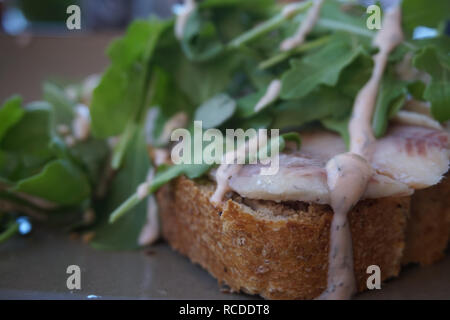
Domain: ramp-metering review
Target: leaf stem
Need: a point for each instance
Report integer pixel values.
(267, 26)
(12, 230)
(121, 147)
(130, 203)
(280, 57)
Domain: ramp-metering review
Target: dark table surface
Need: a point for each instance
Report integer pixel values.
(35, 267)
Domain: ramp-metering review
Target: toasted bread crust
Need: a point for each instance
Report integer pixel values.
(281, 252)
(428, 231)
(278, 256)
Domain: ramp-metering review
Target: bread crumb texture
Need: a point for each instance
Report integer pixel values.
(280, 250)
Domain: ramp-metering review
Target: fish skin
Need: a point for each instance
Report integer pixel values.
(407, 158)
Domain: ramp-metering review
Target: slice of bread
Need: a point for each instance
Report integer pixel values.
(428, 231)
(280, 250)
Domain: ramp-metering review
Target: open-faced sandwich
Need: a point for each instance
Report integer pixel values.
(338, 114)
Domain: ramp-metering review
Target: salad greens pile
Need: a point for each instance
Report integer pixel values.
(223, 65)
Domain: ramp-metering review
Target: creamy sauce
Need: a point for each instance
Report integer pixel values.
(223, 175)
(160, 156)
(361, 135)
(418, 119)
(183, 17)
(81, 125)
(272, 94)
(305, 28)
(226, 170)
(151, 230)
(179, 120)
(418, 107)
(142, 190)
(348, 174)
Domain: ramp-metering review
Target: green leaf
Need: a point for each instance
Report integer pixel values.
(59, 182)
(197, 81)
(339, 125)
(356, 75)
(438, 90)
(92, 155)
(321, 68)
(64, 109)
(423, 13)
(124, 234)
(259, 121)
(121, 94)
(9, 164)
(31, 136)
(216, 111)
(246, 105)
(200, 40)
(417, 89)
(334, 18)
(10, 114)
(293, 136)
(390, 99)
(322, 103)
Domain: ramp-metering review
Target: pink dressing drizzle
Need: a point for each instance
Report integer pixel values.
(349, 173)
(305, 28)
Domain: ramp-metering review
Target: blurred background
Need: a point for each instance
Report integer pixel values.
(49, 16)
(35, 44)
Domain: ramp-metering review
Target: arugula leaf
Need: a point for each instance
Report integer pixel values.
(60, 182)
(441, 44)
(124, 235)
(293, 136)
(121, 93)
(10, 113)
(260, 121)
(318, 68)
(356, 75)
(438, 90)
(63, 107)
(92, 155)
(198, 81)
(35, 161)
(31, 136)
(423, 13)
(391, 97)
(166, 96)
(216, 111)
(332, 17)
(200, 40)
(9, 164)
(322, 103)
(246, 105)
(417, 89)
(339, 125)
